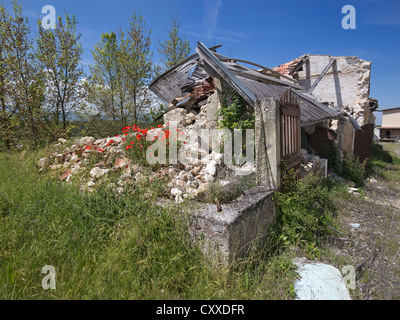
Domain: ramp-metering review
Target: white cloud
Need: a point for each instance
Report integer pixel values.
(208, 30)
(210, 18)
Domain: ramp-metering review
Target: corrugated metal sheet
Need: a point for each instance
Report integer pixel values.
(173, 83)
(311, 110)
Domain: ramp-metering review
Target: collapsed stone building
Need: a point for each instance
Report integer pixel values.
(332, 93)
(309, 114)
(342, 82)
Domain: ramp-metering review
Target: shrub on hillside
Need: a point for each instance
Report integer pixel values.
(305, 211)
(354, 170)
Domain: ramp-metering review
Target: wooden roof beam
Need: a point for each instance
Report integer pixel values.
(193, 56)
(300, 64)
(316, 82)
(209, 58)
(264, 69)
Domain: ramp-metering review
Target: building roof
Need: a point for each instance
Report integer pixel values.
(311, 109)
(251, 84)
(397, 108)
(389, 128)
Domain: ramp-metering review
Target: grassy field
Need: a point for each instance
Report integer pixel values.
(127, 247)
(106, 247)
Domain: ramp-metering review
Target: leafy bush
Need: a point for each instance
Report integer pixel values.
(234, 113)
(305, 211)
(354, 170)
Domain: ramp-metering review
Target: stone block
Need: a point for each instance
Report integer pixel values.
(242, 223)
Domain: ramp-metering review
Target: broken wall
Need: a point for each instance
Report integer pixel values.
(346, 84)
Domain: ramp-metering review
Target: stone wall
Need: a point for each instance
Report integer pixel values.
(347, 83)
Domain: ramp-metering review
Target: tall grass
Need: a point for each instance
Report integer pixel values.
(385, 161)
(107, 247)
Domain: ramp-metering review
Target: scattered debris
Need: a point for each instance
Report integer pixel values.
(340, 179)
(312, 164)
(353, 190)
(319, 281)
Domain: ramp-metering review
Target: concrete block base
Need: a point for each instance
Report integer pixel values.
(242, 223)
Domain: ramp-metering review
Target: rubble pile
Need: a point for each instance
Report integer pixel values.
(88, 160)
(92, 161)
(312, 164)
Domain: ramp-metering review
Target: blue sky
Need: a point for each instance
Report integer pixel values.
(267, 32)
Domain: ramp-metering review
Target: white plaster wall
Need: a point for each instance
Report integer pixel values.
(346, 84)
(391, 118)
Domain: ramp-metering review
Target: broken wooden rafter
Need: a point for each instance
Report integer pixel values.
(224, 73)
(276, 75)
(316, 82)
(257, 76)
(182, 63)
(300, 64)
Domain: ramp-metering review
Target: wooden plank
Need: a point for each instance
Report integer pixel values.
(282, 137)
(290, 136)
(193, 56)
(254, 75)
(290, 132)
(291, 111)
(287, 135)
(292, 163)
(331, 61)
(300, 64)
(264, 69)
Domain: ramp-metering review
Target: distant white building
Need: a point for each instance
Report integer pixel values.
(390, 129)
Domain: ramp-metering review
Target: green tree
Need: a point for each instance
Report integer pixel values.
(138, 66)
(22, 87)
(59, 53)
(122, 69)
(5, 112)
(175, 49)
(107, 89)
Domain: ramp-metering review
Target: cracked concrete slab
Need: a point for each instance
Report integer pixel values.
(319, 281)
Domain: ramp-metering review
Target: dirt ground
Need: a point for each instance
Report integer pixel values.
(370, 237)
